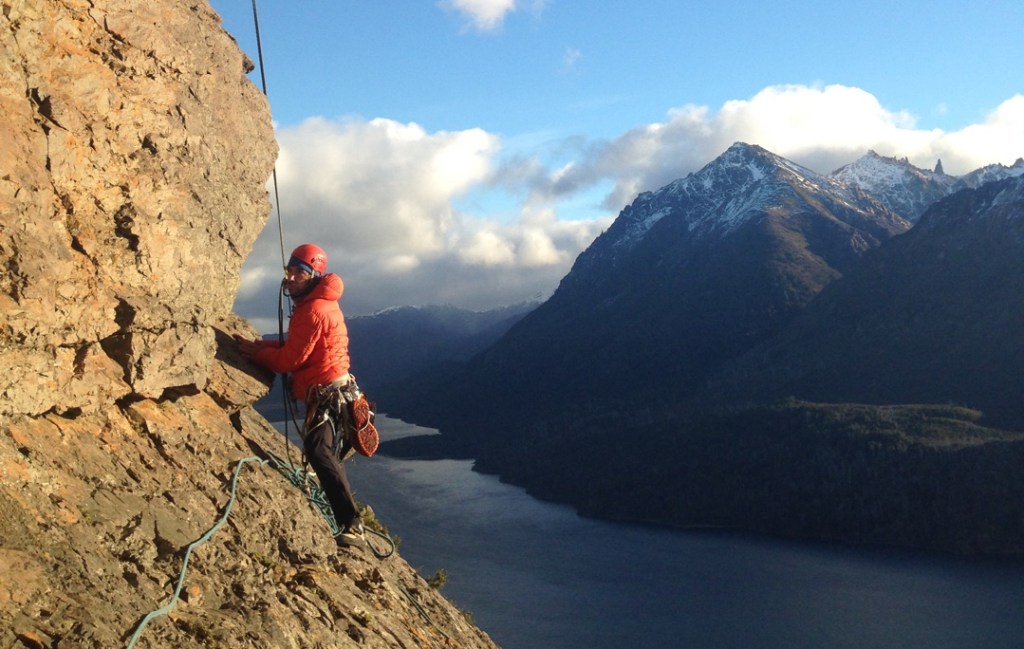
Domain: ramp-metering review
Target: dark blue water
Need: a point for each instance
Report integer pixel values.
(536, 576)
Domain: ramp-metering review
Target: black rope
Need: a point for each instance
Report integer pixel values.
(263, 79)
(289, 407)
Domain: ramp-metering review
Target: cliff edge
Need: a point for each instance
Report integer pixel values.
(134, 153)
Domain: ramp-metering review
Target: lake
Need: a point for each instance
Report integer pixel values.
(534, 575)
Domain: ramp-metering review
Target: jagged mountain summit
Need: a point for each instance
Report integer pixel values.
(904, 188)
(991, 173)
(745, 190)
(908, 190)
(736, 187)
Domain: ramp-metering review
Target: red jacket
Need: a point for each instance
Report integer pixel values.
(316, 348)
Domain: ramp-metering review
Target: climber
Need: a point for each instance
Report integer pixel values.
(315, 352)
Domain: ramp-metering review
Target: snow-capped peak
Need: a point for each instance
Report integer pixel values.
(721, 195)
(875, 169)
(990, 173)
(904, 188)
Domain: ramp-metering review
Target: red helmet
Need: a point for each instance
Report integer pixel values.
(309, 257)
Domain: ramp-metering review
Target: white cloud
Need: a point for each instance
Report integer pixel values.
(255, 281)
(485, 15)
(538, 239)
(381, 196)
(570, 58)
(822, 128)
(1000, 138)
(379, 186)
(538, 249)
(488, 248)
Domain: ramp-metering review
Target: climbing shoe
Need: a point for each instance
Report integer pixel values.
(352, 537)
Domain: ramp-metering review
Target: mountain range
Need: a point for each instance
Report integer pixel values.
(756, 285)
(688, 278)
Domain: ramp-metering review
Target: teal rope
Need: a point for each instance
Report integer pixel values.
(297, 476)
(316, 496)
(423, 612)
(380, 554)
(203, 539)
(314, 493)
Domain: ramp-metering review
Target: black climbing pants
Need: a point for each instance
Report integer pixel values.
(331, 473)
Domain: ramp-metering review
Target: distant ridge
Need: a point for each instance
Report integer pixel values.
(396, 343)
(401, 342)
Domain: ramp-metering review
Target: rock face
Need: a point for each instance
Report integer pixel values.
(134, 153)
(132, 172)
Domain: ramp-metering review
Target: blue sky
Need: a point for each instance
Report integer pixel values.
(465, 151)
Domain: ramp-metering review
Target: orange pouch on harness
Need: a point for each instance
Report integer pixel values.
(363, 434)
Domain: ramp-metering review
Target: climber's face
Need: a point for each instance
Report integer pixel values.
(297, 280)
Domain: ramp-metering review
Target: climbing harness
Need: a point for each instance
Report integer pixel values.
(188, 553)
(344, 408)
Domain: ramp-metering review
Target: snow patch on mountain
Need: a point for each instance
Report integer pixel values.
(641, 227)
(991, 173)
(746, 180)
(1013, 193)
(876, 171)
